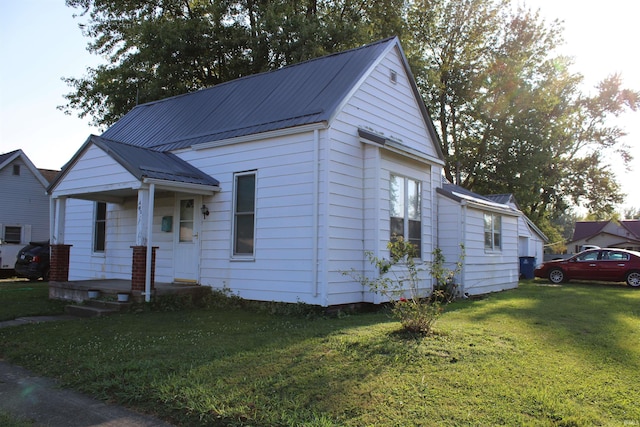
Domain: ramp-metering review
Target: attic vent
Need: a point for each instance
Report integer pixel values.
(393, 77)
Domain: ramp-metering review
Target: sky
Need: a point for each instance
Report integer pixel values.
(40, 43)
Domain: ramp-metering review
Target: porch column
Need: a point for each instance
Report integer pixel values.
(143, 252)
(60, 253)
(59, 263)
(139, 270)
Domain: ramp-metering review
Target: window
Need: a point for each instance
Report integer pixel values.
(16, 169)
(492, 231)
(100, 227)
(12, 234)
(244, 213)
(405, 201)
(186, 220)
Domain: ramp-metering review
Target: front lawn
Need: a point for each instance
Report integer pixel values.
(537, 355)
(20, 297)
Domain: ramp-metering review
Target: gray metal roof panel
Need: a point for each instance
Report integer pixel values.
(304, 93)
(142, 162)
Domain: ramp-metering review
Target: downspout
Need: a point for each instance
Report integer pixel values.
(52, 207)
(316, 206)
(147, 278)
(325, 237)
(464, 236)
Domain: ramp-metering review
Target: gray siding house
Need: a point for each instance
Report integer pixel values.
(24, 205)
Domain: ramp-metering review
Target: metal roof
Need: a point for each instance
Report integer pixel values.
(143, 163)
(304, 93)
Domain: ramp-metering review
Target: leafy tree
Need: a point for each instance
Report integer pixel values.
(512, 117)
(160, 48)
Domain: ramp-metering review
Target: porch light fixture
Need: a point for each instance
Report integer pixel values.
(205, 211)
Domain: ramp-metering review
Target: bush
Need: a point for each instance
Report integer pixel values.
(416, 307)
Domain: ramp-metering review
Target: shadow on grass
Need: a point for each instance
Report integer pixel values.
(599, 320)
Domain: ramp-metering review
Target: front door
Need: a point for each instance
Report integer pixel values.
(186, 260)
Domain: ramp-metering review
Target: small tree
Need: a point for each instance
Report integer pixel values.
(416, 307)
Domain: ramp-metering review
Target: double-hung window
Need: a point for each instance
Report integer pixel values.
(244, 212)
(492, 231)
(100, 227)
(405, 200)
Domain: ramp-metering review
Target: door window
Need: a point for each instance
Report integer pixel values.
(186, 220)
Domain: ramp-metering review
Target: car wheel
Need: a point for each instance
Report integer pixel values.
(45, 275)
(556, 276)
(633, 279)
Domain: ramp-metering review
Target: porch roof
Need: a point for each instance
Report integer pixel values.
(146, 166)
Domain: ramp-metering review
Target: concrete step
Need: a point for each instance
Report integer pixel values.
(88, 311)
(111, 305)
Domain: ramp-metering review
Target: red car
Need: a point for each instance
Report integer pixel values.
(607, 264)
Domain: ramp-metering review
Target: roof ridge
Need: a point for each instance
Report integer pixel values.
(251, 76)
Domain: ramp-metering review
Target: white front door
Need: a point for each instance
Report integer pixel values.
(186, 260)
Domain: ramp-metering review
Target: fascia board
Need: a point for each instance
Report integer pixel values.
(183, 186)
(256, 137)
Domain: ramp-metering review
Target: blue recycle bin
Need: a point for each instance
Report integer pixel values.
(527, 266)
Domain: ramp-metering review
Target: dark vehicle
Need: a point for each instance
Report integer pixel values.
(607, 264)
(33, 261)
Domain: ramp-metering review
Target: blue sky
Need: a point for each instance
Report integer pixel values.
(40, 43)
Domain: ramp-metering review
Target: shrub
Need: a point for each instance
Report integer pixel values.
(416, 307)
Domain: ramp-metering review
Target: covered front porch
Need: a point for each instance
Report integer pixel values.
(112, 209)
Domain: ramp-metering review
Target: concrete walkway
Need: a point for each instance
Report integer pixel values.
(42, 402)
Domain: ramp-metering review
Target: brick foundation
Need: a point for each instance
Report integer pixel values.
(138, 268)
(59, 263)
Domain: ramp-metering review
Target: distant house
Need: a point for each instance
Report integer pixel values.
(606, 234)
(495, 235)
(24, 205)
(270, 186)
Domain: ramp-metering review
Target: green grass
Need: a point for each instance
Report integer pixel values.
(24, 298)
(539, 355)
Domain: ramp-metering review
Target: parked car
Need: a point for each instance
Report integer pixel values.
(606, 264)
(33, 261)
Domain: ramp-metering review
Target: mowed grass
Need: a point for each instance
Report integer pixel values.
(24, 298)
(539, 355)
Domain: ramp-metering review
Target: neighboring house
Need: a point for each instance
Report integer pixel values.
(495, 235)
(24, 205)
(605, 234)
(271, 186)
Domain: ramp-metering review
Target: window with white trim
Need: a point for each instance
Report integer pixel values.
(492, 231)
(244, 212)
(405, 200)
(99, 226)
(12, 234)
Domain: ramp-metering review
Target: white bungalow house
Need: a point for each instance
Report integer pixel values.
(270, 185)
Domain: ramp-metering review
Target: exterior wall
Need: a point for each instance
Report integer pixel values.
(24, 202)
(484, 271)
(359, 176)
(93, 170)
(281, 269)
(530, 243)
(25, 205)
(490, 271)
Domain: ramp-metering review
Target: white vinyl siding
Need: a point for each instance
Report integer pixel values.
(93, 170)
(484, 271)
